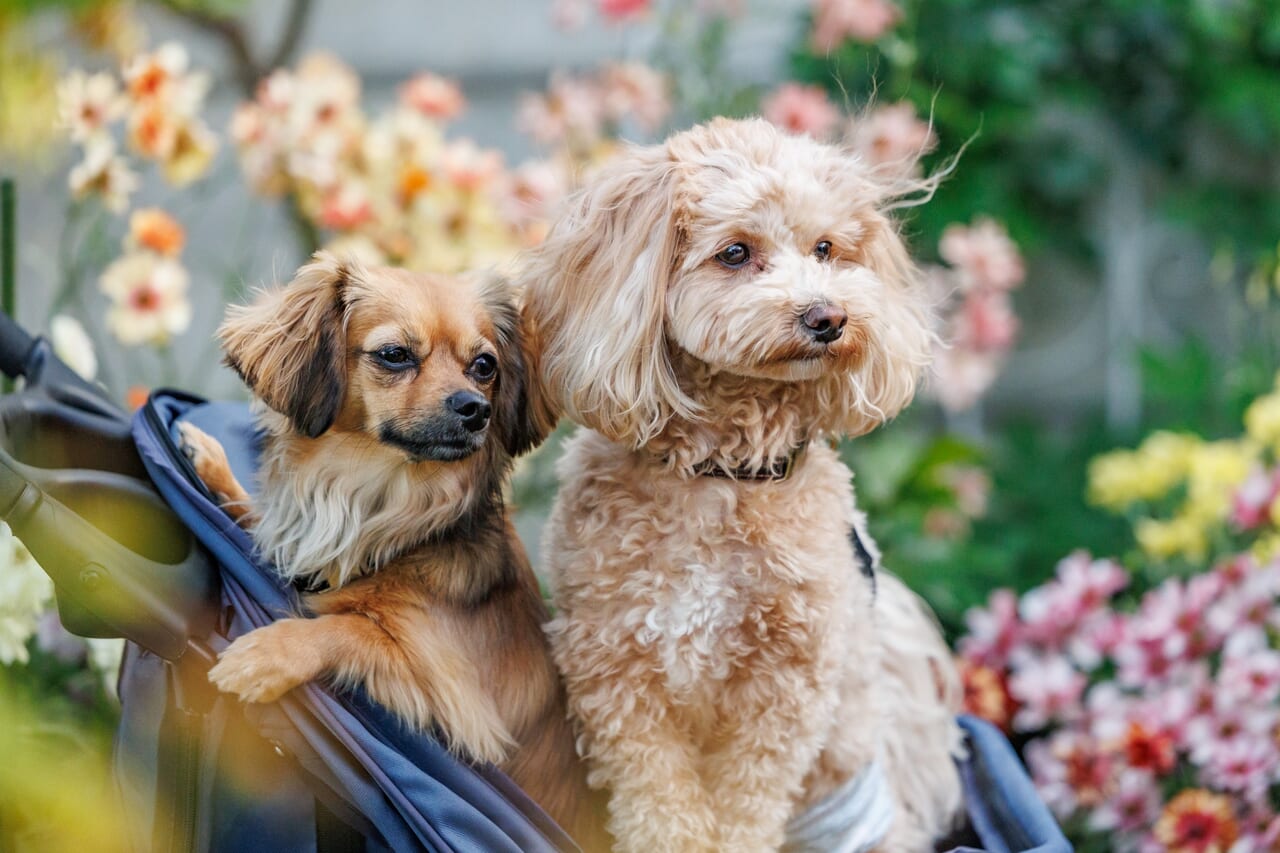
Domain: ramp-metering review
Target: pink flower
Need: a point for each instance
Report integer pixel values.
(633, 90)
(1051, 613)
(571, 110)
(1246, 765)
(892, 134)
(346, 207)
(1070, 771)
(985, 321)
(834, 21)
(994, 630)
(960, 376)
(1251, 503)
(1251, 674)
(801, 109)
(1049, 689)
(1208, 735)
(1132, 806)
(984, 254)
(621, 10)
(433, 96)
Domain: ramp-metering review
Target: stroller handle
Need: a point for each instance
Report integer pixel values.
(74, 490)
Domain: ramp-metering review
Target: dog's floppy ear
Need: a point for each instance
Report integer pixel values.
(521, 422)
(595, 294)
(289, 346)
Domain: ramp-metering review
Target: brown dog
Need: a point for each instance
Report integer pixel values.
(393, 404)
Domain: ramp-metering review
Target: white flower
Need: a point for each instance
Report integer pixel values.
(148, 298)
(104, 173)
(72, 344)
(88, 103)
(25, 591)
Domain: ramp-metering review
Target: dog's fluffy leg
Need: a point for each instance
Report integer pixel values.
(268, 662)
(210, 461)
(921, 695)
(657, 800)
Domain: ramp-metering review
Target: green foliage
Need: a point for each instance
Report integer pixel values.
(1191, 90)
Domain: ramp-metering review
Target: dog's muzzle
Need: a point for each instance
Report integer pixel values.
(453, 434)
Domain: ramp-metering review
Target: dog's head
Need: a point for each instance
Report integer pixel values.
(429, 366)
(751, 254)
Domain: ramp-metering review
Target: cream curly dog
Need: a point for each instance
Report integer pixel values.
(713, 310)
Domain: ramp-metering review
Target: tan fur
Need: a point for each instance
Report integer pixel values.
(426, 597)
(725, 658)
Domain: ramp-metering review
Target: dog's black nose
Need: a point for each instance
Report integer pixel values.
(825, 322)
(472, 408)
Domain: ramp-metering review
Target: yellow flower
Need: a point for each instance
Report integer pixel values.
(1180, 536)
(1266, 548)
(1262, 420)
(1122, 477)
(1216, 470)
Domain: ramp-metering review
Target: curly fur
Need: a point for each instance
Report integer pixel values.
(726, 661)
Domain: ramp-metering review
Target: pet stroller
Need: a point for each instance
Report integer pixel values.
(137, 549)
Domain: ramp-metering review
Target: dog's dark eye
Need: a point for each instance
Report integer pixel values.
(822, 251)
(396, 358)
(484, 367)
(734, 255)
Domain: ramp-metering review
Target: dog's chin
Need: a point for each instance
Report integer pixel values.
(432, 445)
(790, 370)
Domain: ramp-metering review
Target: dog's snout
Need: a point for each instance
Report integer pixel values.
(825, 323)
(472, 408)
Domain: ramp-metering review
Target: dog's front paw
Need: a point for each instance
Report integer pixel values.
(207, 457)
(264, 664)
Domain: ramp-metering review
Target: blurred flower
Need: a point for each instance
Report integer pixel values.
(151, 228)
(570, 111)
(111, 27)
(72, 345)
(984, 254)
(569, 15)
(105, 174)
(892, 135)
(1131, 807)
(801, 109)
(28, 101)
(1180, 536)
(1256, 500)
(961, 376)
(191, 155)
(1046, 690)
(633, 90)
(156, 75)
(971, 486)
(834, 21)
(1262, 420)
(993, 631)
(148, 298)
(1197, 821)
(1071, 771)
(136, 397)
(621, 10)
(25, 592)
(986, 694)
(1122, 477)
(89, 103)
(433, 96)
(985, 322)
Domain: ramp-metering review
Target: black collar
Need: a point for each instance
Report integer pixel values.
(777, 469)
